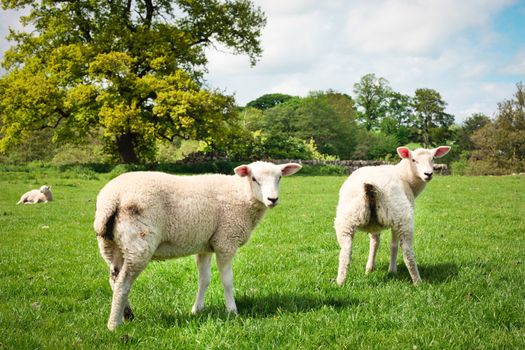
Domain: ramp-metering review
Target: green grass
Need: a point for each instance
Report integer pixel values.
(469, 242)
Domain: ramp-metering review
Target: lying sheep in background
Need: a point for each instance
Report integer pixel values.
(151, 215)
(379, 197)
(43, 195)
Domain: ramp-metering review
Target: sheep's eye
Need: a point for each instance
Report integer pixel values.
(415, 161)
(279, 179)
(254, 180)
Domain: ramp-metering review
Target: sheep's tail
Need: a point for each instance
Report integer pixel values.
(371, 200)
(105, 217)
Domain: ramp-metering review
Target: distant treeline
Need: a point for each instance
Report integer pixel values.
(326, 126)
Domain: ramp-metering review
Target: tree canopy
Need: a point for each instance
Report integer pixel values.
(328, 118)
(132, 69)
(268, 101)
(372, 97)
(499, 146)
(471, 125)
(431, 120)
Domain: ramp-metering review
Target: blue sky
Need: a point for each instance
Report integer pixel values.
(471, 51)
(510, 24)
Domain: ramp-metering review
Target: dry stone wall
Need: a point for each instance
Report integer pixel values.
(353, 165)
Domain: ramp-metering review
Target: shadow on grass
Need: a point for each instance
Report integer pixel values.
(261, 307)
(433, 274)
(273, 304)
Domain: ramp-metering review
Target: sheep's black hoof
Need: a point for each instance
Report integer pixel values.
(128, 314)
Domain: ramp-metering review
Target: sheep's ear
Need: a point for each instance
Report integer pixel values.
(403, 152)
(290, 168)
(440, 151)
(242, 170)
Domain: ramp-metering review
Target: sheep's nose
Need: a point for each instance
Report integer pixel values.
(428, 175)
(273, 200)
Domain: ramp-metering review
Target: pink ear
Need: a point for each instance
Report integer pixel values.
(290, 168)
(403, 152)
(242, 170)
(441, 151)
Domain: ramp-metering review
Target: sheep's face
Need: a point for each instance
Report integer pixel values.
(422, 160)
(45, 189)
(265, 178)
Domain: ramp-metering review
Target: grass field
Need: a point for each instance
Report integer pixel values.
(469, 242)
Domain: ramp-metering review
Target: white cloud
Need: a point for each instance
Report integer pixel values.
(474, 70)
(275, 8)
(413, 27)
(517, 66)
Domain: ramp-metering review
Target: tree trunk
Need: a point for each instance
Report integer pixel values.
(126, 148)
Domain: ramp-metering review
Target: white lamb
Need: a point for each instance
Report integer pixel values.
(378, 197)
(42, 195)
(151, 215)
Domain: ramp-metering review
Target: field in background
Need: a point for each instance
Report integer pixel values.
(469, 243)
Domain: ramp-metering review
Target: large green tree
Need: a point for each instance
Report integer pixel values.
(430, 117)
(329, 119)
(372, 99)
(398, 119)
(499, 146)
(326, 117)
(470, 125)
(131, 68)
(320, 125)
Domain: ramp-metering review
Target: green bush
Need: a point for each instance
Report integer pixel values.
(124, 168)
(38, 147)
(322, 170)
(79, 154)
(460, 166)
(215, 167)
(177, 150)
(485, 167)
(78, 171)
(375, 145)
(262, 145)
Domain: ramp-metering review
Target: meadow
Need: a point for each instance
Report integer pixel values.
(469, 244)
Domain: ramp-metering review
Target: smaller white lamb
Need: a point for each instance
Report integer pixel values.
(142, 216)
(42, 195)
(379, 197)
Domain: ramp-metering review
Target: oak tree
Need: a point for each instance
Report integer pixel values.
(129, 69)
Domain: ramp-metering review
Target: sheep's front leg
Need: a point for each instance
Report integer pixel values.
(374, 245)
(345, 254)
(394, 246)
(204, 266)
(224, 263)
(409, 256)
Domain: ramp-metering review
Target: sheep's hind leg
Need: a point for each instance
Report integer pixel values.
(113, 258)
(224, 263)
(345, 254)
(394, 246)
(374, 245)
(409, 256)
(204, 266)
(122, 285)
